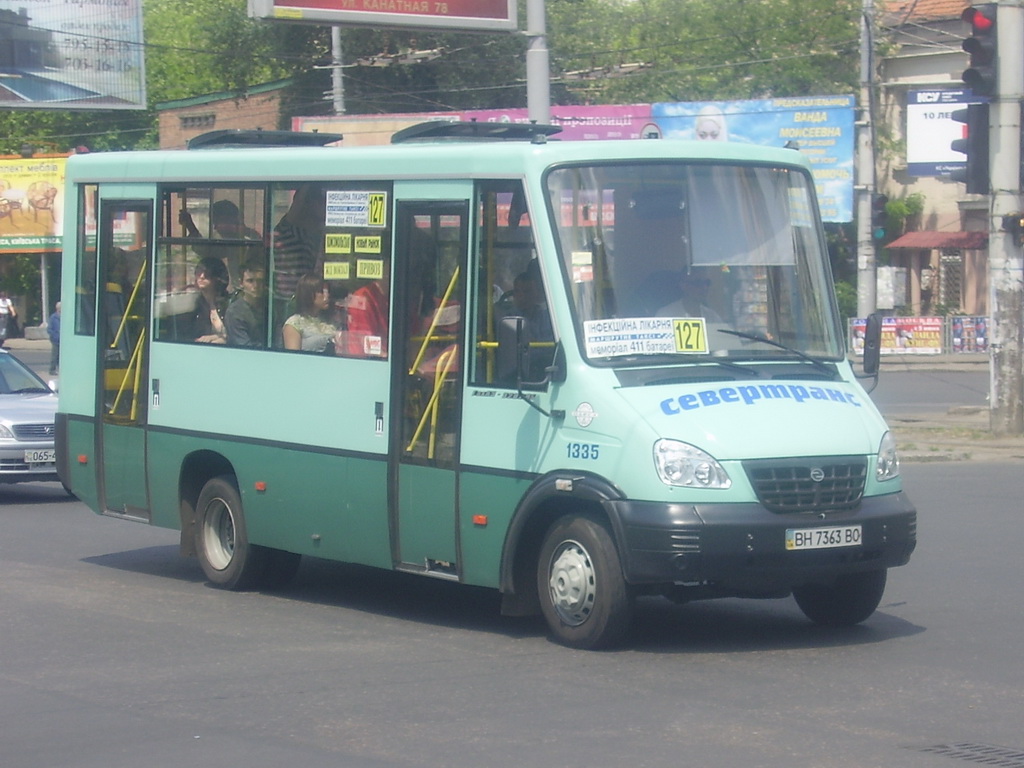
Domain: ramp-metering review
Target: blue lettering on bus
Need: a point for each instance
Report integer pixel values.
(751, 394)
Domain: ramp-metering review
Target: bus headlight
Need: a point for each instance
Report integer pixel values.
(686, 465)
(887, 463)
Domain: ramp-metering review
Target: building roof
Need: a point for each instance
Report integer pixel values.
(970, 241)
(208, 98)
(925, 10)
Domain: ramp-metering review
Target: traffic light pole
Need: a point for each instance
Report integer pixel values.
(1005, 261)
(865, 187)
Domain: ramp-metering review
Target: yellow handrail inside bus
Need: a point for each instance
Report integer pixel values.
(433, 322)
(444, 363)
(128, 307)
(134, 371)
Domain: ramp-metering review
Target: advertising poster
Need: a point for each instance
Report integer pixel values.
(31, 196)
(970, 334)
(821, 127)
(902, 335)
(85, 54)
(931, 129)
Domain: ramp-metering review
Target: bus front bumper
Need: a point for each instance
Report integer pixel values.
(741, 549)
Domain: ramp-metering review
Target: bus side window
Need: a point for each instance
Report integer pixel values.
(205, 238)
(509, 285)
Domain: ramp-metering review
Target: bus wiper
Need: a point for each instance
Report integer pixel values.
(820, 365)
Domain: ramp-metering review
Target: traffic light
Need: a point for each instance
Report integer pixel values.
(879, 216)
(980, 75)
(974, 144)
(1014, 224)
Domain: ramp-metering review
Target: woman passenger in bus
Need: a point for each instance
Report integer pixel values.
(211, 281)
(307, 330)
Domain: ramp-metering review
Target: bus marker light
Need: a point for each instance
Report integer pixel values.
(261, 485)
(479, 519)
(83, 459)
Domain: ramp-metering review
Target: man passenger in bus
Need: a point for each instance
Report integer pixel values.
(528, 302)
(246, 318)
(307, 330)
(226, 223)
(298, 241)
(693, 300)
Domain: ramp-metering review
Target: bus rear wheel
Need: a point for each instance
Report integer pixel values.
(847, 601)
(583, 594)
(223, 548)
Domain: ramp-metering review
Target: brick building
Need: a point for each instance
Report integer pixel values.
(255, 107)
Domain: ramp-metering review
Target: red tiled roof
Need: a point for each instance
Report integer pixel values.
(970, 241)
(919, 10)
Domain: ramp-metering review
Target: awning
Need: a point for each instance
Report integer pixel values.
(970, 241)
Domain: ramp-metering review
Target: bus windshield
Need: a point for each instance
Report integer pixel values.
(674, 261)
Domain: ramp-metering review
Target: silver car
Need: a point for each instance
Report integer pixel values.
(27, 409)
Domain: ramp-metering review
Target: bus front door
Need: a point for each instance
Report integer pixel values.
(430, 254)
(123, 344)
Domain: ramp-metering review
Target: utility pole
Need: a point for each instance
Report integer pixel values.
(1005, 262)
(337, 83)
(865, 186)
(538, 69)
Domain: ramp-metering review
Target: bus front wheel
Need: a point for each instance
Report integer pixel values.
(223, 548)
(847, 601)
(583, 594)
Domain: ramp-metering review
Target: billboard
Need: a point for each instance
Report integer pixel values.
(821, 127)
(31, 197)
(472, 15)
(85, 54)
(931, 129)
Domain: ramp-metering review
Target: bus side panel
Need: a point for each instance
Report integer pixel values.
(271, 395)
(310, 502)
(83, 463)
(496, 497)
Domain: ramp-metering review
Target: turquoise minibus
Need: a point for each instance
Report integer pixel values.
(577, 373)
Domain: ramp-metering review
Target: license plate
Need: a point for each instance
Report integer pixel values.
(41, 456)
(823, 538)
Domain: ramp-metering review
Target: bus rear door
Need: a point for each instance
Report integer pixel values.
(123, 349)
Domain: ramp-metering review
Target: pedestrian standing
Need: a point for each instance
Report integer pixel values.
(7, 314)
(53, 331)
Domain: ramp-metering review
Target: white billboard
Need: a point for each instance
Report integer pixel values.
(85, 54)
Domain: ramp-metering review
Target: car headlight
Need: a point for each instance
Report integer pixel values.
(887, 463)
(686, 465)
(5, 433)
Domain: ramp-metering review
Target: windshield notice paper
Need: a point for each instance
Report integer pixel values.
(645, 336)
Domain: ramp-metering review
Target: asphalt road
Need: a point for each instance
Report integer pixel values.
(114, 653)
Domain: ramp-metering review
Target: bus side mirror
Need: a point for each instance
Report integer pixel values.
(872, 344)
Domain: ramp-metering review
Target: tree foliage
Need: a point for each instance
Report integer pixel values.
(689, 51)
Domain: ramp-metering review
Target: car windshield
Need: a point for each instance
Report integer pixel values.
(16, 379)
(675, 262)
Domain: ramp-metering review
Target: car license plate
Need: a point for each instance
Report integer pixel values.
(823, 538)
(41, 456)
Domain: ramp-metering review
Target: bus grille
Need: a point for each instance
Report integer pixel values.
(808, 484)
